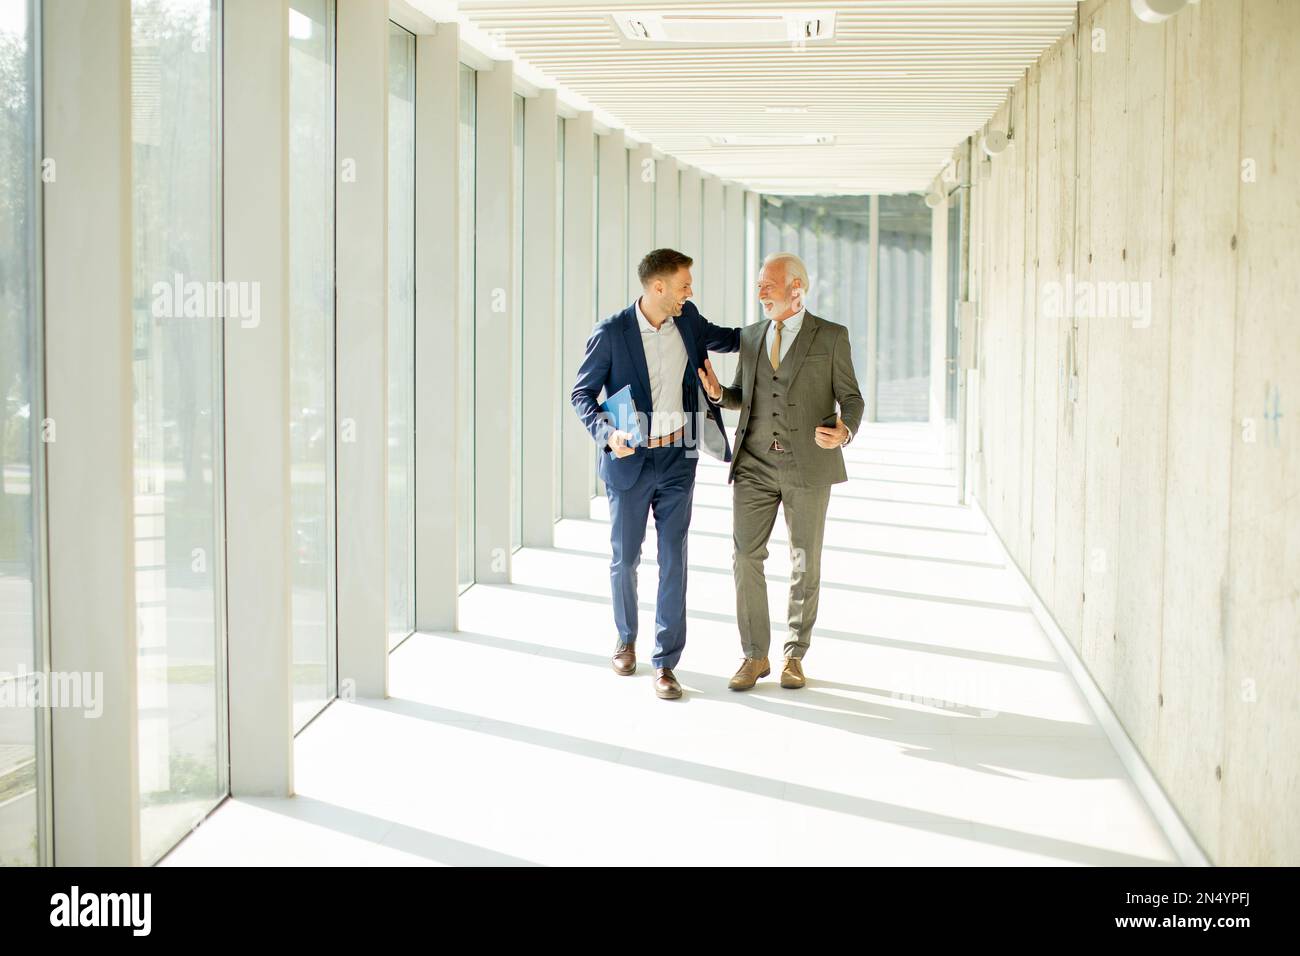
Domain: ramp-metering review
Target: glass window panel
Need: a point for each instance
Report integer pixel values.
(831, 235)
(677, 213)
(845, 249)
(401, 333)
(517, 324)
(826, 301)
(178, 303)
(903, 336)
(956, 205)
(828, 255)
(861, 258)
(311, 344)
(751, 259)
(681, 217)
(563, 396)
(790, 220)
(22, 764)
(654, 202)
(465, 372)
(770, 233)
(629, 164)
(593, 482)
(808, 250)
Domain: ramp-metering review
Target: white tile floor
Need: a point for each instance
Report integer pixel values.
(937, 727)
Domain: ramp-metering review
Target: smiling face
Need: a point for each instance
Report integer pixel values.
(668, 293)
(779, 296)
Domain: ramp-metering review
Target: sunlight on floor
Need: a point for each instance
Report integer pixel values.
(937, 727)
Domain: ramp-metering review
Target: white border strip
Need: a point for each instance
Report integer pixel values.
(1162, 808)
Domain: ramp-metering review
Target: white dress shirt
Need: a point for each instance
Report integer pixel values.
(789, 329)
(665, 358)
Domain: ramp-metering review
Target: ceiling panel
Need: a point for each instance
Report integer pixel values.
(898, 86)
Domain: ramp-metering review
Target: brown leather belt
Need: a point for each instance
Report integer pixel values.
(665, 439)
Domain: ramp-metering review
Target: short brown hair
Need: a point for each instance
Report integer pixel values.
(661, 262)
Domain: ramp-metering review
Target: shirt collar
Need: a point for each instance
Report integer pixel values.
(793, 323)
(644, 323)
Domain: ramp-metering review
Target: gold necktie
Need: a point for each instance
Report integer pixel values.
(775, 357)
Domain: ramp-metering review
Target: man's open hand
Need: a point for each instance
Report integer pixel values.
(710, 382)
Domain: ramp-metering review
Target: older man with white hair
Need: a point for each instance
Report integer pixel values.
(795, 370)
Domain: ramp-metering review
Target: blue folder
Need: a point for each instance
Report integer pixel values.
(622, 413)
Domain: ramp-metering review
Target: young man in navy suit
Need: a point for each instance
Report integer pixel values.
(658, 346)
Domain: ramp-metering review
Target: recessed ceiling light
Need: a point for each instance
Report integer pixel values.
(633, 26)
(772, 139)
(714, 27)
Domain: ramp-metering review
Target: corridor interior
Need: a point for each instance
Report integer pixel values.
(939, 725)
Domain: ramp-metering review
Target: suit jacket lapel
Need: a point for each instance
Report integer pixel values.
(693, 359)
(632, 333)
(756, 340)
(802, 342)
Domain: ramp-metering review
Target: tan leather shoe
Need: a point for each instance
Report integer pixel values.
(624, 660)
(792, 674)
(750, 671)
(666, 686)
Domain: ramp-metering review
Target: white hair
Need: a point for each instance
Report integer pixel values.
(794, 268)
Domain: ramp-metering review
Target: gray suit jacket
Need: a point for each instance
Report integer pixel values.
(821, 375)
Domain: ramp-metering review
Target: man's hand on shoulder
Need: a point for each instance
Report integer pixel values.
(709, 381)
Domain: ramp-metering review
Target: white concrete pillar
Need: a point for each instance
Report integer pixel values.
(611, 229)
(733, 252)
(690, 201)
(667, 176)
(541, 376)
(709, 265)
(730, 295)
(710, 274)
(86, 89)
(494, 385)
(753, 223)
(578, 467)
(939, 317)
(640, 211)
(361, 356)
(494, 284)
(259, 535)
(437, 343)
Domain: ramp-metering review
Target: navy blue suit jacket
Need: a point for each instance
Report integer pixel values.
(615, 357)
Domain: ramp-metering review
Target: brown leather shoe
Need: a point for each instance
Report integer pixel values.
(666, 686)
(750, 671)
(792, 674)
(624, 660)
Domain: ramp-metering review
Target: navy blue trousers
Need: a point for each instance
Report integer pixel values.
(666, 488)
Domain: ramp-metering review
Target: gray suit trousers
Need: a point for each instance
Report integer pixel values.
(762, 482)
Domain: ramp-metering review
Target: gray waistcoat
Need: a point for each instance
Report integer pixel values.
(763, 425)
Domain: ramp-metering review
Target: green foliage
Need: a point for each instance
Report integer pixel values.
(190, 777)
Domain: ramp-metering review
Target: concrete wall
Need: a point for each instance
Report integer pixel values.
(1143, 464)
